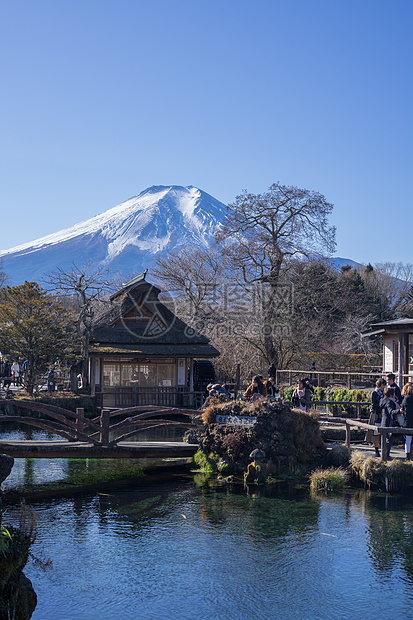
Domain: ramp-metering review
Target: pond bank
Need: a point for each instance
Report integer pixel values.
(112, 477)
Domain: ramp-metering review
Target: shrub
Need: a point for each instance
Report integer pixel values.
(206, 463)
(288, 393)
(328, 480)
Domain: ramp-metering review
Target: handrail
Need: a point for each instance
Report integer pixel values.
(383, 430)
(75, 430)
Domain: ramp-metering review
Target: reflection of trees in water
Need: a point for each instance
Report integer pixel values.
(262, 512)
(390, 531)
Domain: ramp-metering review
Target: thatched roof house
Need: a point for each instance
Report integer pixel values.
(141, 353)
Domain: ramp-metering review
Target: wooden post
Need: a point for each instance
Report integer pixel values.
(104, 425)
(359, 410)
(400, 377)
(349, 381)
(290, 377)
(80, 424)
(383, 445)
(191, 383)
(347, 434)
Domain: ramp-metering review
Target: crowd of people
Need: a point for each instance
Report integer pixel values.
(391, 407)
(11, 373)
(258, 388)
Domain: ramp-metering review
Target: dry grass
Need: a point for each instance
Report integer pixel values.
(393, 476)
(328, 480)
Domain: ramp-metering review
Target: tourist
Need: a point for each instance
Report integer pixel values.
(51, 380)
(256, 389)
(405, 388)
(15, 373)
(308, 385)
(375, 414)
(6, 375)
(272, 389)
(221, 389)
(389, 408)
(301, 398)
(391, 381)
(272, 372)
(407, 410)
(312, 367)
(212, 395)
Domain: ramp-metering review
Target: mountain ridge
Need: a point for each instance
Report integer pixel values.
(127, 237)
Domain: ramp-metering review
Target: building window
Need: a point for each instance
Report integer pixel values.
(138, 375)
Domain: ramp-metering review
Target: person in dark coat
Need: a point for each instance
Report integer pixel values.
(308, 384)
(51, 380)
(407, 410)
(272, 389)
(272, 371)
(7, 378)
(375, 414)
(256, 389)
(389, 408)
(391, 381)
(301, 398)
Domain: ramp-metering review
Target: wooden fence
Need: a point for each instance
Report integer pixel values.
(382, 430)
(329, 377)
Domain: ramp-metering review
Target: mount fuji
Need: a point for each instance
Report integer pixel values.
(125, 238)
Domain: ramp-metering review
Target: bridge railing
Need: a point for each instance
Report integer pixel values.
(74, 426)
(135, 396)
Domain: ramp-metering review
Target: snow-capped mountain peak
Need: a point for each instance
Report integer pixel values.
(125, 237)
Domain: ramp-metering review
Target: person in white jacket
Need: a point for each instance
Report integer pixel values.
(15, 373)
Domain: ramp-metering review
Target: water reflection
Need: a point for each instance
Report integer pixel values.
(195, 547)
(390, 532)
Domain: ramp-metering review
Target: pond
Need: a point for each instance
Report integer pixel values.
(192, 547)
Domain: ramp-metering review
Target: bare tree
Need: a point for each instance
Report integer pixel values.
(4, 278)
(87, 286)
(262, 233)
(193, 274)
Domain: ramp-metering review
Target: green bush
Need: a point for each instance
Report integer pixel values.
(288, 392)
(206, 463)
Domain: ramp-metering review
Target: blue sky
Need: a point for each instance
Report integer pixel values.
(103, 98)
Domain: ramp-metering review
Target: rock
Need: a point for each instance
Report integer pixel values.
(27, 598)
(6, 465)
(338, 456)
(288, 439)
(257, 455)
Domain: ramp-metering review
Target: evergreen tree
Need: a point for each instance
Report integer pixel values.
(34, 327)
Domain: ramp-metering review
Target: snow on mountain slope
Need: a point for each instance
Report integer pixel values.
(126, 237)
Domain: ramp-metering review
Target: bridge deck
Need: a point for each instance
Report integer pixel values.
(77, 450)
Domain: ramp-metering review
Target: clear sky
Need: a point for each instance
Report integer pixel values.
(103, 98)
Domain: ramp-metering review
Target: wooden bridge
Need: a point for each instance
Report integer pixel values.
(90, 438)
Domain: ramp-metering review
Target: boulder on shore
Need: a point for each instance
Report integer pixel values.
(290, 439)
(6, 465)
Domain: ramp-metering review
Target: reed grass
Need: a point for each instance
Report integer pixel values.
(328, 480)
